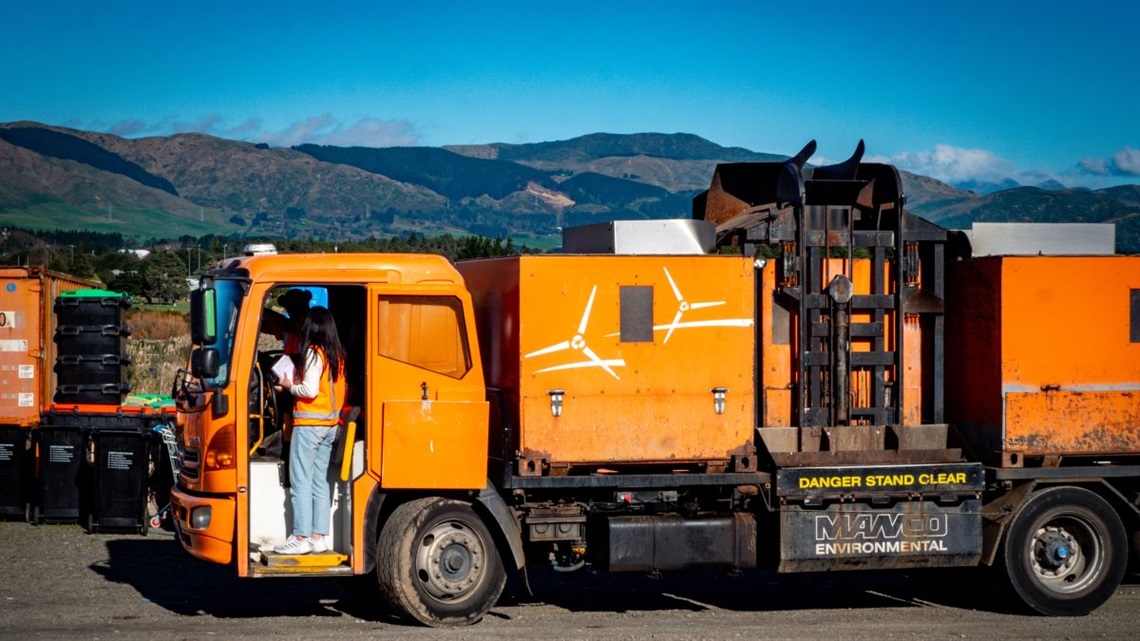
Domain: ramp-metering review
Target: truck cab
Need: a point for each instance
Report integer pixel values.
(416, 400)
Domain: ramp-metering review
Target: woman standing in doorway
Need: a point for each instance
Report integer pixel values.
(319, 398)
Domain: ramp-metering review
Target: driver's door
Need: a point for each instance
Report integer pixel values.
(426, 391)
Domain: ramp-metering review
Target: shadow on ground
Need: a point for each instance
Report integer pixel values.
(163, 573)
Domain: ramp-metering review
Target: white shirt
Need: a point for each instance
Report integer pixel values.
(310, 384)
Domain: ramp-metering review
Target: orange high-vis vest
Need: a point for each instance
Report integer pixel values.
(324, 408)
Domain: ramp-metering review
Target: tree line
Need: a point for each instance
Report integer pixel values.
(162, 272)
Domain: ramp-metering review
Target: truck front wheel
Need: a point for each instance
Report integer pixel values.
(1065, 552)
(437, 563)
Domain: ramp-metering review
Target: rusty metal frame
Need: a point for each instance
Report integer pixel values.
(803, 213)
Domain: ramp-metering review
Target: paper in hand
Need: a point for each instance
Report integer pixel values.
(284, 369)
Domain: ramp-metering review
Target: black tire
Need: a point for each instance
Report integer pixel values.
(437, 563)
(1065, 552)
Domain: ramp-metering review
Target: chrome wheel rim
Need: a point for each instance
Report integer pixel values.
(450, 561)
(1066, 554)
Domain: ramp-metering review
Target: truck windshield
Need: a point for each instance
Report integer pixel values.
(227, 303)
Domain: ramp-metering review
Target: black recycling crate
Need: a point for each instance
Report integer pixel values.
(99, 369)
(135, 417)
(15, 468)
(106, 394)
(61, 475)
(91, 340)
(122, 460)
(91, 307)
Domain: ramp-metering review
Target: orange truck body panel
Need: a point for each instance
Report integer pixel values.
(437, 445)
(636, 344)
(1040, 359)
(27, 348)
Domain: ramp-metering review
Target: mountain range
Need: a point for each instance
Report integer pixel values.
(195, 184)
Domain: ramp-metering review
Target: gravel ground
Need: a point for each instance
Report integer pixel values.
(60, 583)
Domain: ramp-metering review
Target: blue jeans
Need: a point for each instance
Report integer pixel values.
(309, 453)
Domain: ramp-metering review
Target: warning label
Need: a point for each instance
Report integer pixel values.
(61, 453)
(27, 371)
(27, 399)
(117, 460)
(13, 346)
(961, 477)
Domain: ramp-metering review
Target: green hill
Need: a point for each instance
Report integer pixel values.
(60, 145)
(442, 171)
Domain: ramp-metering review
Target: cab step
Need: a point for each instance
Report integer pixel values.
(271, 562)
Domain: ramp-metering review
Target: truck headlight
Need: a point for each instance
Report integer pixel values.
(200, 517)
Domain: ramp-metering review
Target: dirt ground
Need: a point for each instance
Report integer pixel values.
(60, 583)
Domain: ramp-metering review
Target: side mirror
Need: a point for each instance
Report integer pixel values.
(203, 315)
(204, 362)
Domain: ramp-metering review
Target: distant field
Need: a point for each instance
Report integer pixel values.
(543, 243)
(137, 223)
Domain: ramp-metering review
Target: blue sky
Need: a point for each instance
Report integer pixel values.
(955, 90)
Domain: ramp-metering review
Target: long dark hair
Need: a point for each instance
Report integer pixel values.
(320, 331)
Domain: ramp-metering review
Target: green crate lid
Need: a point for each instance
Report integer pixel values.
(92, 293)
(150, 400)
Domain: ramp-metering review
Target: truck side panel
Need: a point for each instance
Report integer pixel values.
(1040, 358)
(636, 345)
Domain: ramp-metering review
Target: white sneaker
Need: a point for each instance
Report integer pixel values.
(319, 546)
(294, 545)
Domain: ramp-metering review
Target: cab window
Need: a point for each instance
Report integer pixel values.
(424, 331)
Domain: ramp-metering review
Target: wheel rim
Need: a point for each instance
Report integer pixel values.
(450, 561)
(1066, 554)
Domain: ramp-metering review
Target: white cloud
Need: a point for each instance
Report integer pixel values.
(1095, 166)
(209, 124)
(250, 127)
(956, 165)
(321, 130)
(128, 128)
(1127, 162)
(974, 167)
(328, 130)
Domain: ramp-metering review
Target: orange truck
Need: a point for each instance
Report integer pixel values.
(844, 388)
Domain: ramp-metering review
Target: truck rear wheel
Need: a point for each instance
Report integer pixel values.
(437, 563)
(1065, 552)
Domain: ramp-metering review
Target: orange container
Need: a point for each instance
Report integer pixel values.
(27, 352)
(1043, 355)
(612, 360)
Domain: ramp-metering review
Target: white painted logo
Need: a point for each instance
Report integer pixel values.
(685, 306)
(578, 343)
(682, 307)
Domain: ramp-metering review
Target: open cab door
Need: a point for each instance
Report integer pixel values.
(429, 397)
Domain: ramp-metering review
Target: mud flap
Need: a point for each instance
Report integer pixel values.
(880, 517)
